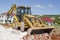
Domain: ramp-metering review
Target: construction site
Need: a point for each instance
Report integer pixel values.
(19, 23)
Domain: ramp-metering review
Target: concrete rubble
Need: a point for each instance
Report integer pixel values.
(12, 34)
(44, 36)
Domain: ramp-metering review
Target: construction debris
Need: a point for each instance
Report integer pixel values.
(12, 34)
(43, 36)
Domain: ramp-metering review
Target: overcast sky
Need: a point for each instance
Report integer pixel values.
(39, 7)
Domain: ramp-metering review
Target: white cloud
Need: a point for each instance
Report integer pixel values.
(39, 6)
(50, 5)
(43, 6)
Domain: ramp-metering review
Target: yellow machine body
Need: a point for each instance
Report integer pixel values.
(30, 21)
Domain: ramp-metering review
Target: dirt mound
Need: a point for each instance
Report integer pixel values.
(44, 36)
(55, 37)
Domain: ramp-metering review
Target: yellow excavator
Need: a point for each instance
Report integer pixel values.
(31, 23)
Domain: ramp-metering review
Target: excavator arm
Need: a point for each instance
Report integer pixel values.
(15, 19)
(13, 8)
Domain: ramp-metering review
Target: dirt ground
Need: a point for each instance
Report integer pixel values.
(55, 37)
(44, 36)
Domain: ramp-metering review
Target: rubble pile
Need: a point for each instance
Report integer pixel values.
(11, 34)
(55, 37)
(43, 36)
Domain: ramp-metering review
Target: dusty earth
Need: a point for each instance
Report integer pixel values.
(42, 37)
(55, 37)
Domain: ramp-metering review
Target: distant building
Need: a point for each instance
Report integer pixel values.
(52, 18)
(59, 17)
(4, 19)
(10, 19)
(47, 20)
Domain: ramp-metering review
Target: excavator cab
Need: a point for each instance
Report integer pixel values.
(28, 10)
(21, 10)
